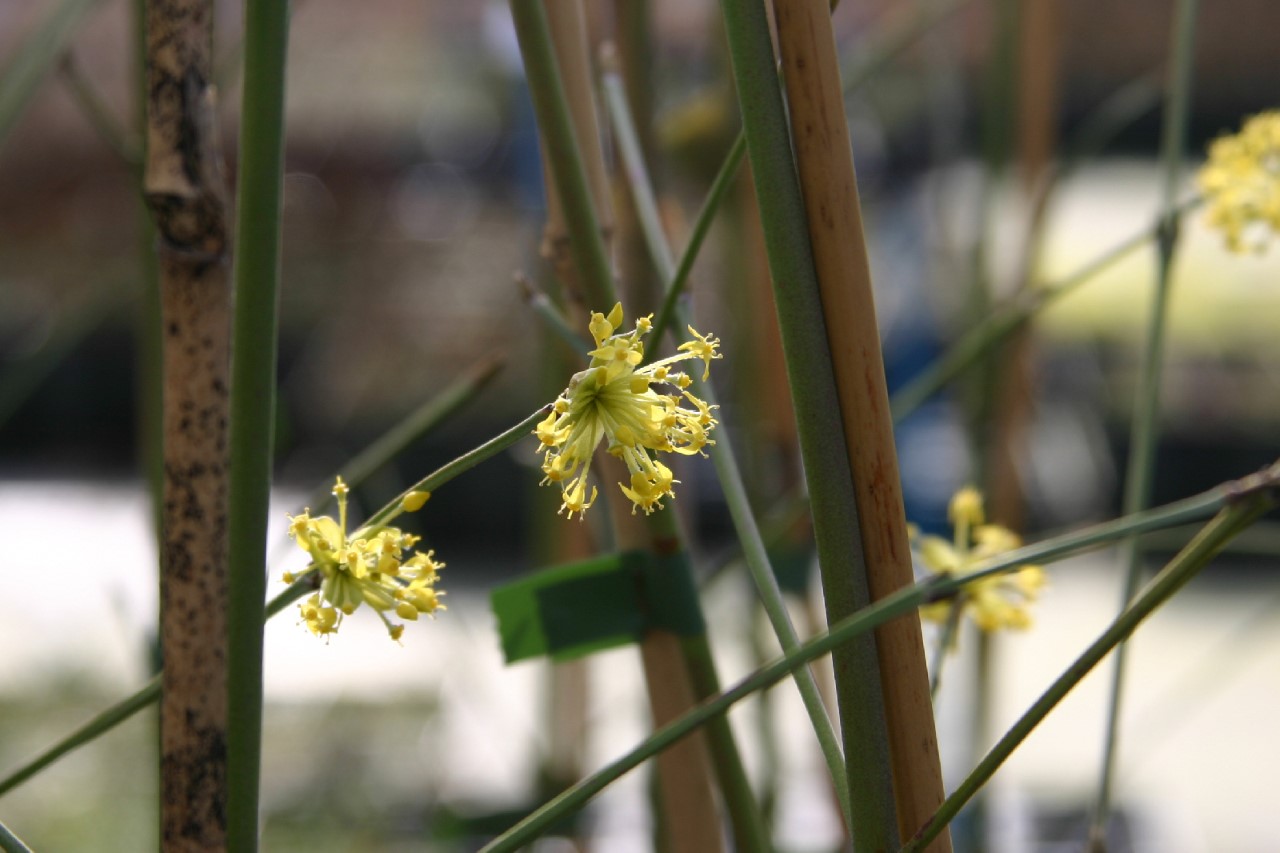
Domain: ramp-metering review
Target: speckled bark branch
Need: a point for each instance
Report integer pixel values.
(183, 186)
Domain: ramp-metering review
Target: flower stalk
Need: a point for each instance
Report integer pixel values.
(1145, 428)
(253, 399)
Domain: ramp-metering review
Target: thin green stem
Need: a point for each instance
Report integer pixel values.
(1007, 318)
(253, 400)
(1245, 499)
(678, 279)
(151, 692)
(1101, 125)
(884, 50)
(1172, 515)
(858, 624)
(113, 716)
(873, 819)
(945, 642)
(749, 830)
(417, 423)
(99, 725)
(775, 524)
(1194, 508)
(549, 313)
(1175, 575)
(35, 58)
(433, 481)
(753, 547)
(750, 833)
(896, 37)
(565, 159)
(72, 325)
(1145, 430)
(1197, 687)
(756, 557)
(632, 161)
(99, 114)
(10, 842)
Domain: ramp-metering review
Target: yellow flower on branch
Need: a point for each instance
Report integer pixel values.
(1000, 601)
(1241, 182)
(368, 566)
(615, 401)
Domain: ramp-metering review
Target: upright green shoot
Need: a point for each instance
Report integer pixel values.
(1144, 434)
(253, 396)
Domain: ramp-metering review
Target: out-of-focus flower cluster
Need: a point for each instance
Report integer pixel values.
(1000, 601)
(614, 400)
(369, 566)
(1241, 183)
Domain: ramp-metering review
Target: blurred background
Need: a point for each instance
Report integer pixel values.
(414, 199)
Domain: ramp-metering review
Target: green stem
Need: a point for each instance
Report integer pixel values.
(72, 326)
(253, 400)
(1175, 575)
(873, 820)
(750, 833)
(678, 278)
(11, 843)
(551, 316)
(858, 624)
(756, 557)
(1145, 430)
(35, 57)
(749, 830)
(113, 716)
(896, 37)
(99, 725)
(150, 693)
(1172, 515)
(631, 155)
(465, 462)
(99, 114)
(753, 547)
(1007, 318)
(565, 159)
(885, 49)
(946, 639)
(417, 423)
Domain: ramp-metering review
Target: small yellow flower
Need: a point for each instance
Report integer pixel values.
(1241, 182)
(365, 567)
(1000, 601)
(614, 400)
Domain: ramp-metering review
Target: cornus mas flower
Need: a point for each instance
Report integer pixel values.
(368, 566)
(1000, 601)
(614, 400)
(1241, 182)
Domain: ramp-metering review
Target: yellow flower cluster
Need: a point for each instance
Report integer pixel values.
(1000, 601)
(1241, 182)
(613, 400)
(367, 567)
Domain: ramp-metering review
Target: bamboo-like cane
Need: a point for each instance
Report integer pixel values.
(183, 186)
(821, 139)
